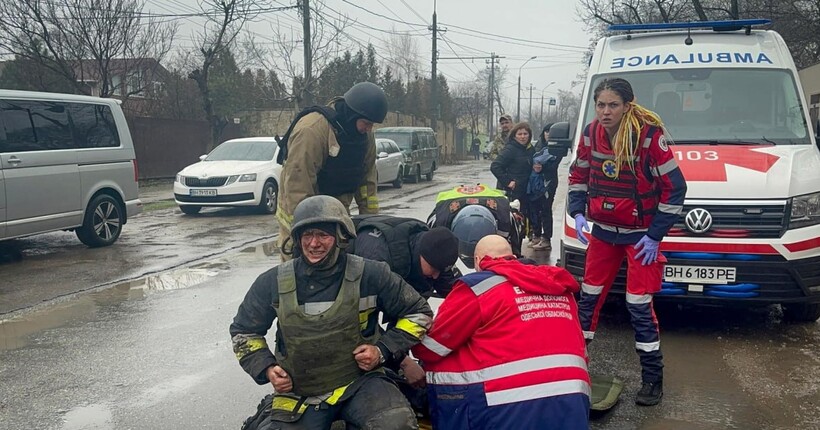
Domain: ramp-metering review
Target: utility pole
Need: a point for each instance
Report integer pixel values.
(306, 95)
(434, 81)
(492, 61)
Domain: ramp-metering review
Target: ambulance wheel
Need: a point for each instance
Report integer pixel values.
(801, 312)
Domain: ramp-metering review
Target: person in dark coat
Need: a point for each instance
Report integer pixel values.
(513, 165)
(475, 148)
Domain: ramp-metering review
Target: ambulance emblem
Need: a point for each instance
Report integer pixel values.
(662, 143)
(610, 169)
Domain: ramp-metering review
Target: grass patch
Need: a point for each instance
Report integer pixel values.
(158, 205)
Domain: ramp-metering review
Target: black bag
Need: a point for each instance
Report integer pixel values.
(262, 415)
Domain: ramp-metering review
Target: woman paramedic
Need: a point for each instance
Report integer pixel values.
(626, 180)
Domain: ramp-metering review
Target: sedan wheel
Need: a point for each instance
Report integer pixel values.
(190, 210)
(268, 202)
(399, 178)
(102, 222)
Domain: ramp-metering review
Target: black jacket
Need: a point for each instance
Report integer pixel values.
(514, 163)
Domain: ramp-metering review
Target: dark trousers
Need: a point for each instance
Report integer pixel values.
(377, 404)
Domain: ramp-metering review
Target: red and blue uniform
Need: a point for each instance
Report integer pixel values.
(625, 203)
(506, 351)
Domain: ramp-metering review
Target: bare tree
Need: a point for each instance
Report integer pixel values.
(403, 56)
(470, 105)
(285, 56)
(225, 20)
(88, 41)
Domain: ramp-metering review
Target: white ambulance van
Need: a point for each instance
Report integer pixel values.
(729, 96)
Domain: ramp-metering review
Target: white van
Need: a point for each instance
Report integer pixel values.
(67, 162)
(730, 98)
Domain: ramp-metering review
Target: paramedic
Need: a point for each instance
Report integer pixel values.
(627, 177)
(486, 370)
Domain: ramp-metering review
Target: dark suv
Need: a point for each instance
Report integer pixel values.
(420, 149)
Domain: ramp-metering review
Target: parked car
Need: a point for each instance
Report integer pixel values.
(420, 149)
(238, 172)
(67, 162)
(389, 163)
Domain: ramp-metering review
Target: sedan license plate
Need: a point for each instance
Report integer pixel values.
(699, 274)
(203, 193)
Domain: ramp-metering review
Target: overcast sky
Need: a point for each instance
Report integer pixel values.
(547, 29)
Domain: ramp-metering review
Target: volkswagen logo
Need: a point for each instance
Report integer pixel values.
(698, 220)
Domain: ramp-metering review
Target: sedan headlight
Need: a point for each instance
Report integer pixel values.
(180, 179)
(249, 177)
(805, 211)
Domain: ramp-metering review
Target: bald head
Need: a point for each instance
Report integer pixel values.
(492, 245)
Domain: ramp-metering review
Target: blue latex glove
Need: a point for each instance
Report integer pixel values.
(648, 249)
(580, 227)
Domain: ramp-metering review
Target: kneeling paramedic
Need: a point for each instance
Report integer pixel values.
(506, 349)
(329, 348)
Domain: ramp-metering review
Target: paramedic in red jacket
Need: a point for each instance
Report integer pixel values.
(506, 349)
(626, 180)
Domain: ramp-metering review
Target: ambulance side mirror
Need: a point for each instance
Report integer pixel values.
(560, 140)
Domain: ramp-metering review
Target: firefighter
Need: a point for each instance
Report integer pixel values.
(626, 180)
(331, 150)
(329, 350)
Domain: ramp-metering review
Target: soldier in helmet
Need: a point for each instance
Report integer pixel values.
(329, 352)
(331, 150)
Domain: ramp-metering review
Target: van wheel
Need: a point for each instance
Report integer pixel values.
(416, 175)
(102, 222)
(269, 200)
(399, 178)
(190, 210)
(801, 312)
(429, 176)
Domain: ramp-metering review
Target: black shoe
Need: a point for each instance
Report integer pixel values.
(650, 394)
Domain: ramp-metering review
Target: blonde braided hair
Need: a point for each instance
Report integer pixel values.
(626, 138)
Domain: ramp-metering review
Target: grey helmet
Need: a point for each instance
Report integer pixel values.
(470, 225)
(368, 100)
(319, 209)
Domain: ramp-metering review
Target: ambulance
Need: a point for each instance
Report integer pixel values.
(729, 95)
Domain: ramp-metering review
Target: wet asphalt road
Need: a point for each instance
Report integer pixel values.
(153, 352)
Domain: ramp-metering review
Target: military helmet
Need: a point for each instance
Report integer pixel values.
(470, 225)
(321, 208)
(368, 100)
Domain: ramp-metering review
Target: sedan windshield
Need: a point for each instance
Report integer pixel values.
(243, 151)
(732, 106)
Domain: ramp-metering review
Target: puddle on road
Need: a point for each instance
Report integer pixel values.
(91, 417)
(18, 331)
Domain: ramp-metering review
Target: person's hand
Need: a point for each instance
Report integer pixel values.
(511, 185)
(581, 226)
(413, 373)
(279, 379)
(648, 249)
(367, 356)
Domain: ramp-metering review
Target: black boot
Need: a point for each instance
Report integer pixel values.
(650, 394)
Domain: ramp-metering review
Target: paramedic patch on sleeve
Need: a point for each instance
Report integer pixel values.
(662, 143)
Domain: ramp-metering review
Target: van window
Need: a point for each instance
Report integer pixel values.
(38, 126)
(94, 126)
(721, 105)
(401, 139)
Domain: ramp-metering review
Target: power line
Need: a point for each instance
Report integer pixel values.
(517, 39)
(383, 16)
(414, 11)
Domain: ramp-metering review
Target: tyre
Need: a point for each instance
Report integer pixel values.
(190, 210)
(801, 312)
(429, 175)
(399, 178)
(269, 200)
(102, 222)
(416, 175)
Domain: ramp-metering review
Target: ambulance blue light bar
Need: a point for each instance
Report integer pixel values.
(715, 25)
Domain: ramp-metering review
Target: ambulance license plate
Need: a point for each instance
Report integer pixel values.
(699, 274)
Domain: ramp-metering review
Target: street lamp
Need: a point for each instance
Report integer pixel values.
(541, 115)
(518, 96)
